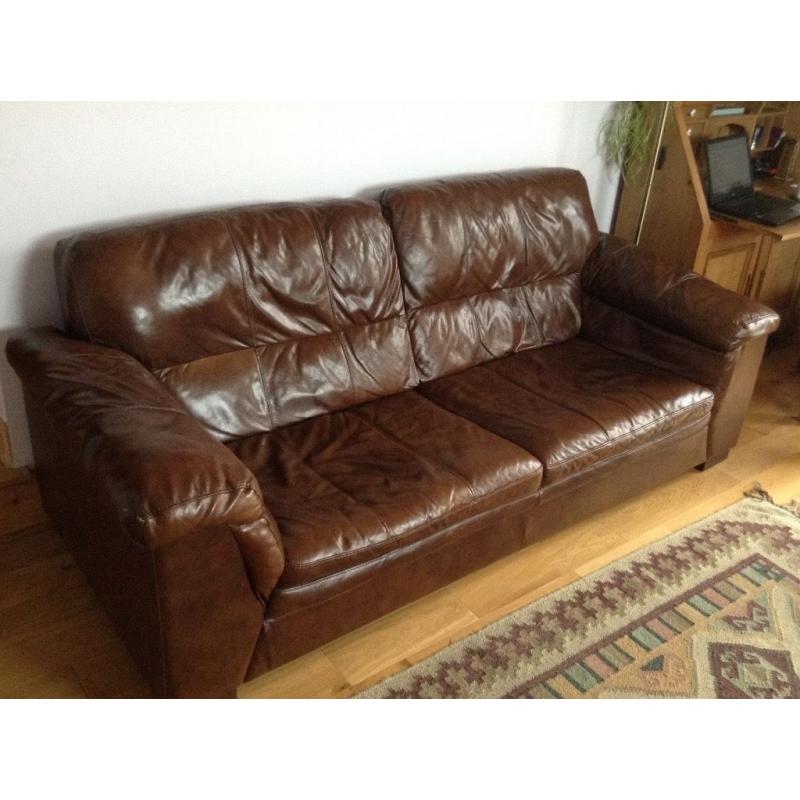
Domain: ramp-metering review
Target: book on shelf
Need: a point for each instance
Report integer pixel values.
(776, 136)
(789, 158)
(728, 111)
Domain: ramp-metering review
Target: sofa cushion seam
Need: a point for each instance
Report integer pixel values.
(147, 517)
(690, 430)
(160, 370)
(632, 433)
(462, 298)
(400, 539)
(335, 318)
(562, 405)
(247, 305)
(594, 393)
(345, 493)
(406, 448)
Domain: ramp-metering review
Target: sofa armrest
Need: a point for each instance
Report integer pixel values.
(633, 280)
(163, 473)
(679, 321)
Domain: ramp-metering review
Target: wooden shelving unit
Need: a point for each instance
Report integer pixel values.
(701, 122)
(665, 208)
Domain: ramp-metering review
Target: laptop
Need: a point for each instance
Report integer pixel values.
(730, 185)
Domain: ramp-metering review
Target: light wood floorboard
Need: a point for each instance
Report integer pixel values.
(55, 641)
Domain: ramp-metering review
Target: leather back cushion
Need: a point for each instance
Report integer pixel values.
(256, 317)
(490, 264)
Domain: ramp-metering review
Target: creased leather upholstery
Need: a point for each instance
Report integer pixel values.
(573, 405)
(636, 305)
(634, 280)
(490, 264)
(256, 317)
(163, 473)
(349, 487)
(237, 445)
(304, 617)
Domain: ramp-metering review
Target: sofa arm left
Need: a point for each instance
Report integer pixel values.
(168, 525)
(635, 281)
(167, 476)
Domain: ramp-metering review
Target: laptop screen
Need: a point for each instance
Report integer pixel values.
(729, 172)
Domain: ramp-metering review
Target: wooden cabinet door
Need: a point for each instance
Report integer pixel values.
(731, 267)
(776, 283)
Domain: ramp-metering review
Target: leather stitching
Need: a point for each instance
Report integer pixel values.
(632, 434)
(326, 270)
(261, 347)
(692, 428)
(251, 572)
(413, 452)
(247, 303)
(343, 347)
(398, 542)
(534, 319)
(469, 300)
(151, 515)
(427, 306)
(592, 393)
(299, 586)
(528, 267)
(559, 403)
(524, 229)
(348, 496)
(350, 413)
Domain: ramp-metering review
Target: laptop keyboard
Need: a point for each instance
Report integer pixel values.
(761, 206)
(759, 202)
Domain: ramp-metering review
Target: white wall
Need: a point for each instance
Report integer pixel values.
(68, 166)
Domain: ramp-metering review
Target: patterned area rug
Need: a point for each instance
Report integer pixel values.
(710, 611)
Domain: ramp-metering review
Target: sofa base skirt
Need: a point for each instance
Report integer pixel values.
(302, 618)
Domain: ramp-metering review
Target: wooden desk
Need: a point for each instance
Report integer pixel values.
(665, 208)
(771, 269)
(782, 233)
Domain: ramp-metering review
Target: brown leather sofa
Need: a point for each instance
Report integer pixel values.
(265, 427)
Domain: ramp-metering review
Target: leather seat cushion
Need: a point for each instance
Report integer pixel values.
(350, 486)
(573, 405)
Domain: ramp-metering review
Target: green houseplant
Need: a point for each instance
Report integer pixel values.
(626, 135)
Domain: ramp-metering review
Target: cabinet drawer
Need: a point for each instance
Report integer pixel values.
(694, 112)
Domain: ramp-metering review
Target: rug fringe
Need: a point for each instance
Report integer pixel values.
(758, 492)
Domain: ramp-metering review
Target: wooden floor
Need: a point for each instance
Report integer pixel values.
(55, 641)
